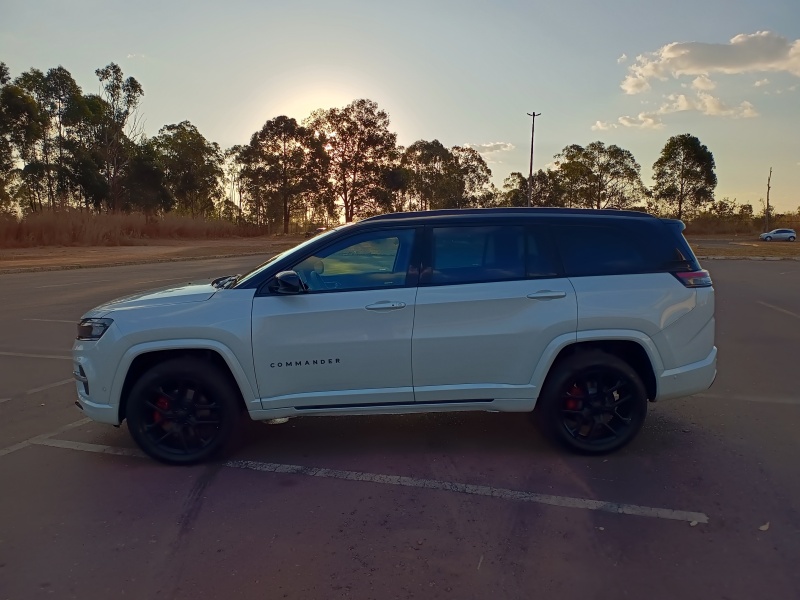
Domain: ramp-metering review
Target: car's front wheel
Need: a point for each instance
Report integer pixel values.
(768, 238)
(593, 402)
(182, 411)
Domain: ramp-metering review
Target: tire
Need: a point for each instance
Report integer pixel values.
(592, 402)
(791, 238)
(182, 411)
(768, 238)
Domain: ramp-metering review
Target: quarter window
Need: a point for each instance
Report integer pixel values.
(590, 251)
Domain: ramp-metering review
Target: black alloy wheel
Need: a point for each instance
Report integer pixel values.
(182, 411)
(593, 402)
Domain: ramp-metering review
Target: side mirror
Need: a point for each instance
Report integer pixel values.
(289, 282)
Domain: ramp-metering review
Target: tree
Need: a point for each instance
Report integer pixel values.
(290, 164)
(598, 176)
(119, 125)
(475, 178)
(360, 147)
(515, 190)
(433, 175)
(684, 176)
(547, 189)
(192, 167)
(145, 182)
(20, 127)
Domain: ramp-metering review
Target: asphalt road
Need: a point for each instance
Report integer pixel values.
(83, 516)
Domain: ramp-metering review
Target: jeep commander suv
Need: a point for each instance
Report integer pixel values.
(579, 317)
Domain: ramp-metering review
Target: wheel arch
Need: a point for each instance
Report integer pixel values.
(138, 359)
(634, 347)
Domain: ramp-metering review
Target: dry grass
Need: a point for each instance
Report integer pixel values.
(75, 228)
(747, 249)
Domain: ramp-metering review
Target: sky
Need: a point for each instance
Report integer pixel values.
(625, 72)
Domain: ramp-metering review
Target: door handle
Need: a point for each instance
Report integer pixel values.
(547, 295)
(385, 305)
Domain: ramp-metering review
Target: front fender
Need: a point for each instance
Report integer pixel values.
(251, 399)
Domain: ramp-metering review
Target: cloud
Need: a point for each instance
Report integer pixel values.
(136, 56)
(622, 58)
(706, 104)
(702, 82)
(491, 147)
(758, 52)
(761, 82)
(603, 126)
(642, 121)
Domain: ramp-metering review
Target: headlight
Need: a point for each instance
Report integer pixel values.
(93, 329)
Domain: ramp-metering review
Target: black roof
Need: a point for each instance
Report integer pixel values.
(509, 212)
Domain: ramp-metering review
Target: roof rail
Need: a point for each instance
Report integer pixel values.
(509, 211)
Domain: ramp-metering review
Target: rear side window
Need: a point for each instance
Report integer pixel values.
(480, 254)
(600, 250)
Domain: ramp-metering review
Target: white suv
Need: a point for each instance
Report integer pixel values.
(579, 317)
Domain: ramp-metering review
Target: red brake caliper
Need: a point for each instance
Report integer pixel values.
(163, 404)
(573, 400)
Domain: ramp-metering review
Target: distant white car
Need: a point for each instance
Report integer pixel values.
(788, 235)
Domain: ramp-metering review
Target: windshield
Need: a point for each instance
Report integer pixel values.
(247, 276)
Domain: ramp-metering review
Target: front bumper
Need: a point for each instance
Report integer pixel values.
(689, 379)
(92, 373)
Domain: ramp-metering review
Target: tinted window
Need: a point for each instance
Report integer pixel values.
(376, 259)
(483, 254)
(587, 250)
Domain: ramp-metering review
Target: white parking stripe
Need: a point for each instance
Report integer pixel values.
(40, 438)
(86, 283)
(84, 447)
(765, 399)
(49, 386)
(431, 484)
(779, 309)
(71, 322)
(476, 490)
(23, 355)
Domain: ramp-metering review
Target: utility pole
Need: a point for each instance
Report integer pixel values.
(533, 116)
(766, 212)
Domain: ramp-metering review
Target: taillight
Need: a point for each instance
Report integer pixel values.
(694, 279)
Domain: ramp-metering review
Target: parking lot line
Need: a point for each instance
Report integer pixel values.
(49, 386)
(430, 484)
(40, 438)
(779, 309)
(477, 490)
(24, 355)
(71, 322)
(84, 447)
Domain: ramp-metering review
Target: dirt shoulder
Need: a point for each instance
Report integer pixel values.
(15, 260)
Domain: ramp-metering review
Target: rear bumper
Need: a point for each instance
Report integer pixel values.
(689, 379)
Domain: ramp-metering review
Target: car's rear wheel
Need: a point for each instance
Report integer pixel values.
(593, 402)
(791, 238)
(182, 411)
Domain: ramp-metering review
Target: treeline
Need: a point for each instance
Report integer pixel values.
(61, 148)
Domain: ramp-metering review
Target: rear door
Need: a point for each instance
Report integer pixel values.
(491, 299)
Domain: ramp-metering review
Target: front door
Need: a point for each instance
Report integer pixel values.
(347, 340)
